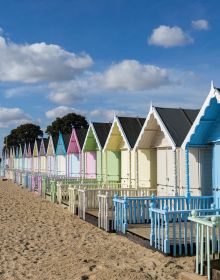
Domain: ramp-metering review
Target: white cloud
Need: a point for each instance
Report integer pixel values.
(12, 116)
(131, 75)
(25, 90)
(108, 114)
(167, 37)
(68, 92)
(200, 24)
(125, 76)
(30, 63)
(61, 111)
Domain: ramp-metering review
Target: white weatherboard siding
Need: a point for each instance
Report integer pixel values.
(51, 168)
(125, 172)
(200, 171)
(147, 168)
(43, 164)
(61, 165)
(165, 172)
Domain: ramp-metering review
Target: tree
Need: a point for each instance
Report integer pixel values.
(24, 133)
(66, 123)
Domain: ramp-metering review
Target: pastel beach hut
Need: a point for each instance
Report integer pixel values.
(61, 152)
(43, 155)
(51, 155)
(160, 159)
(21, 157)
(74, 153)
(203, 141)
(13, 157)
(94, 162)
(36, 155)
(30, 157)
(25, 157)
(16, 156)
(120, 155)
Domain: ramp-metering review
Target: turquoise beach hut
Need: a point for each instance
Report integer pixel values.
(204, 138)
(61, 152)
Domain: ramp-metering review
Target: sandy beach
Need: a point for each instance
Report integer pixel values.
(41, 240)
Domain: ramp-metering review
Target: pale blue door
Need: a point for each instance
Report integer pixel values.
(74, 165)
(216, 173)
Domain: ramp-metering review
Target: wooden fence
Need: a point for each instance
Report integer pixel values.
(207, 240)
(106, 204)
(89, 199)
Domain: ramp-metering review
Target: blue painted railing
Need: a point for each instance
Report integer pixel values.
(135, 210)
(171, 229)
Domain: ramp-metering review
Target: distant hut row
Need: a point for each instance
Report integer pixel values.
(173, 150)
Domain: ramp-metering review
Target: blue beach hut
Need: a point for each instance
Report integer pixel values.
(204, 138)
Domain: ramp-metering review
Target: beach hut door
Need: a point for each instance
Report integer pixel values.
(216, 173)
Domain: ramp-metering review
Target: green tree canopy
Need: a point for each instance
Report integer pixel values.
(66, 123)
(24, 133)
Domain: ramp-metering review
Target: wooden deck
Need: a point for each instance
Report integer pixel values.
(140, 233)
(143, 230)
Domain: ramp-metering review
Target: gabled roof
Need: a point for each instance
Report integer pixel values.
(81, 135)
(132, 128)
(174, 123)
(55, 140)
(66, 140)
(46, 141)
(101, 131)
(38, 144)
(206, 126)
(62, 144)
(32, 147)
(178, 122)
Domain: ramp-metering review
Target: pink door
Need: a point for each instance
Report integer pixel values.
(90, 165)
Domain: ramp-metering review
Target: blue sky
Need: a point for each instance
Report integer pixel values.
(102, 57)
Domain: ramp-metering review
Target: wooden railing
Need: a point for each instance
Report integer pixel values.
(207, 240)
(88, 198)
(106, 204)
(135, 210)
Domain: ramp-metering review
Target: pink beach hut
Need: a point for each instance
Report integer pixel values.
(74, 153)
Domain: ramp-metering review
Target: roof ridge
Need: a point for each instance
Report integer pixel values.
(139, 122)
(186, 116)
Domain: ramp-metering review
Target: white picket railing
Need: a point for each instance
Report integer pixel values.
(207, 233)
(62, 193)
(96, 199)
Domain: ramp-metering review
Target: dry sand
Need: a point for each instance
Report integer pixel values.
(40, 240)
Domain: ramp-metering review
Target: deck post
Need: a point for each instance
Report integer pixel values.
(187, 176)
(153, 200)
(99, 213)
(116, 212)
(175, 172)
(166, 240)
(152, 218)
(106, 209)
(125, 223)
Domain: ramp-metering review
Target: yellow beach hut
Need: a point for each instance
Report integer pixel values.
(160, 160)
(120, 155)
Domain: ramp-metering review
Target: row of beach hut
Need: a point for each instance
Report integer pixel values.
(113, 168)
(133, 152)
